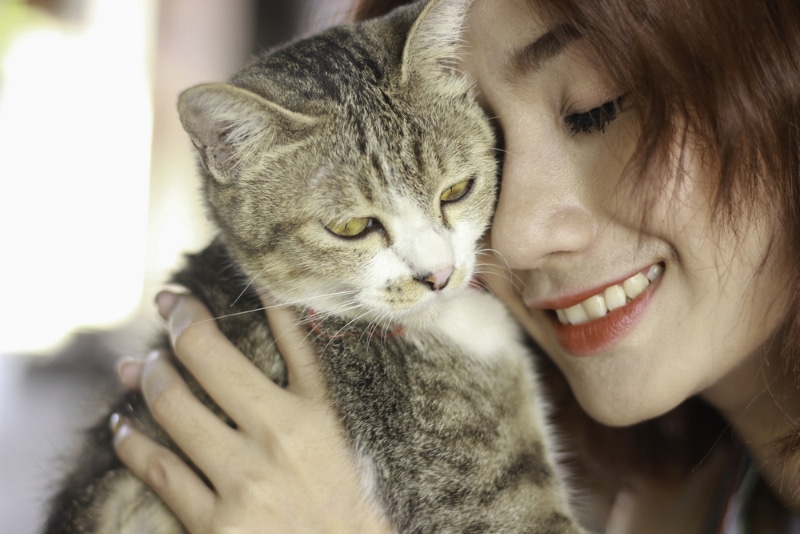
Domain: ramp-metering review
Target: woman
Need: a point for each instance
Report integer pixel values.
(650, 144)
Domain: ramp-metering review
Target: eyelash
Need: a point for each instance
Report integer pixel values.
(594, 120)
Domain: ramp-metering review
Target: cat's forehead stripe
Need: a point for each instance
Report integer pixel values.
(327, 66)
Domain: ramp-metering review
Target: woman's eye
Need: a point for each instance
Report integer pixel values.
(594, 120)
(456, 192)
(354, 227)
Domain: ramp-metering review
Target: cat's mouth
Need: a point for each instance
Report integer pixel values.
(420, 301)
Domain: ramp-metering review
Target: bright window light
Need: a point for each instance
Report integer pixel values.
(75, 138)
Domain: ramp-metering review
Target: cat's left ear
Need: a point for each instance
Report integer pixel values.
(434, 44)
(235, 130)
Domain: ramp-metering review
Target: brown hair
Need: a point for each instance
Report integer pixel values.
(729, 72)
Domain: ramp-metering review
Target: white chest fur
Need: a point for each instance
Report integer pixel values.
(480, 325)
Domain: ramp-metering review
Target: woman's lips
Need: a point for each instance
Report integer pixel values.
(586, 325)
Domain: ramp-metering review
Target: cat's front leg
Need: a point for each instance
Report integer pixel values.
(131, 508)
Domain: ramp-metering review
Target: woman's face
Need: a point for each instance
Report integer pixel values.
(691, 305)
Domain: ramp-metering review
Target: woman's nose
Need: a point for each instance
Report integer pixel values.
(540, 213)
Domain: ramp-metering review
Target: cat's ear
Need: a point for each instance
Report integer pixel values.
(434, 44)
(233, 129)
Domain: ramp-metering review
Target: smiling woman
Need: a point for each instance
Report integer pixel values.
(651, 238)
(568, 228)
(649, 216)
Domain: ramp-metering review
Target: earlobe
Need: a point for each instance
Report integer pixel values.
(232, 127)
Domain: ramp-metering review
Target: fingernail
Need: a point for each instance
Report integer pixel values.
(129, 372)
(155, 353)
(113, 422)
(166, 301)
(119, 427)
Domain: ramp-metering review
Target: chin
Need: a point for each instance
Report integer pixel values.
(418, 316)
(423, 314)
(621, 410)
(617, 419)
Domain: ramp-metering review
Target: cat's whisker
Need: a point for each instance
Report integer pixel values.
(290, 304)
(497, 271)
(320, 317)
(229, 315)
(349, 323)
(512, 277)
(383, 322)
(353, 321)
(309, 318)
(288, 196)
(249, 284)
(306, 301)
(489, 266)
(369, 331)
(339, 331)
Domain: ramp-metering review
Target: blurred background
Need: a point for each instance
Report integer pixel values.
(99, 199)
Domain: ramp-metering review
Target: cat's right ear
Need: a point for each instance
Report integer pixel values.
(234, 129)
(434, 45)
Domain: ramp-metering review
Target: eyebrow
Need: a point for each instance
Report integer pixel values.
(544, 48)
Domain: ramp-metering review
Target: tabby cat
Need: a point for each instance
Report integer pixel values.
(351, 175)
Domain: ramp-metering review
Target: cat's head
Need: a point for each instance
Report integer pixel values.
(352, 172)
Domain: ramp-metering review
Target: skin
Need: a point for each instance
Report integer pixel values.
(270, 470)
(565, 225)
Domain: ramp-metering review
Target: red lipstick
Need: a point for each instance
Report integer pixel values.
(598, 335)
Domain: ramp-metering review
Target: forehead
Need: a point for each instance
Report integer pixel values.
(510, 45)
(503, 26)
(496, 31)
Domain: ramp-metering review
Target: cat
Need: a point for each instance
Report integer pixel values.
(351, 175)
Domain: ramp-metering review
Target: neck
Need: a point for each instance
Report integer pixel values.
(761, 402)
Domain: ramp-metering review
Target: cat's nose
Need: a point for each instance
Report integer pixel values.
(438, 280)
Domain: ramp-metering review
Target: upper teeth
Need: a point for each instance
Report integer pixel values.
(612, 298)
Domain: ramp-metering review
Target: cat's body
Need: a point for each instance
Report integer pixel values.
(351, 174)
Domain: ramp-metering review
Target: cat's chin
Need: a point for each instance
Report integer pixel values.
(421, 315)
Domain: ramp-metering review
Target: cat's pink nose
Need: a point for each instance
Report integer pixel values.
(438, 280)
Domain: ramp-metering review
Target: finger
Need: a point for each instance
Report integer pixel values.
(129, 373)
(298, 352)
(164, 472)
(196, 430)
(222, 370)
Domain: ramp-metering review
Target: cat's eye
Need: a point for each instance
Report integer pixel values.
(457, 191)
(354, 227)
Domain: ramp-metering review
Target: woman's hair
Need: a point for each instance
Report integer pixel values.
(725, 73)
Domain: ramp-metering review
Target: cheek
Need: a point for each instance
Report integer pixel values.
(746, 299)
(529, 189)
(509, 232)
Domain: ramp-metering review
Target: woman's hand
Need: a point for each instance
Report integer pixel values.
(286, 468)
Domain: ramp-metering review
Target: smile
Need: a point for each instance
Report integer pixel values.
(612, 298)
